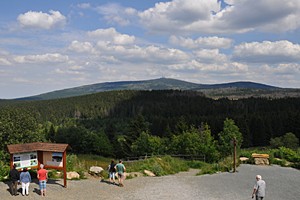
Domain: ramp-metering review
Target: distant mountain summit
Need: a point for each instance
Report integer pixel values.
(154, 84)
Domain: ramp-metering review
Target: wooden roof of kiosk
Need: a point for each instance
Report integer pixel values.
(41, 147)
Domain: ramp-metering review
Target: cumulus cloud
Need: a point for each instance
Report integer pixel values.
(112, 36)
(138, 54)
(202, 16)
(267, 52)
(4, 61)
(81, 47)
(116, 14)
(43, 58)
(264, 15)
(201, 42)
(210, 56)
(42, 20)
(178, 14)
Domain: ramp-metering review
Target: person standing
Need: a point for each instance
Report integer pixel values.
(112, 172)
(25, 180)
(14, 177)
(259, 189)
(42, 175)
(120, 168)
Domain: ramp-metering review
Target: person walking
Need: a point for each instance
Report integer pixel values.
(14, 177)
(259, 189)
(42, 175)
(25, 180)
(112, 172)
(120, 168)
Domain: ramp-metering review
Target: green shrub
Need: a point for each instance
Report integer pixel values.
(280, 162)
(72, 161)
(289, 154)
(158, 165)
(4, 171)
(196, 164)
(209, 169)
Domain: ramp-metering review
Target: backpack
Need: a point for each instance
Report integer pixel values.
(112, 168)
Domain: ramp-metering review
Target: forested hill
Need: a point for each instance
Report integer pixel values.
(232, 90)
(124, 115)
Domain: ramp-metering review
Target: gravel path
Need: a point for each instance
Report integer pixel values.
(282, 183)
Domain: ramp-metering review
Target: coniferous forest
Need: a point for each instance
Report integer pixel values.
(133, 123)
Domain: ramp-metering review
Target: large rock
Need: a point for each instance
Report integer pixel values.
(244, 159)
(134, 174)
(261, 161)
(73, 175)
(149, 173)
(95, 170)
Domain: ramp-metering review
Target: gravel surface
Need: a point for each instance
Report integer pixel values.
(282, 183)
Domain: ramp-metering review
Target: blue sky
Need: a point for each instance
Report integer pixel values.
(52, 44)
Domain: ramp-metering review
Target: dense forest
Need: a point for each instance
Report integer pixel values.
(131, 123)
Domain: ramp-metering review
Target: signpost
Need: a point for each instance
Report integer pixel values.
(31, 155)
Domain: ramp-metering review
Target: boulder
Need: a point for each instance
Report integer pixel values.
(95, 170)
(73, 175)
(261, 161)
(149, 173)
(134, 174)
(243, 159)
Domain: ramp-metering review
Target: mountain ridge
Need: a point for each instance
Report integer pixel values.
(152, 84)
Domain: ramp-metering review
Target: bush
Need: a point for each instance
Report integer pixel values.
(288, 154)
(72, 161)
(281, 162)
(158, 165)
(4, 171)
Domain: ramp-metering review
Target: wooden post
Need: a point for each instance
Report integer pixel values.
(234, 155)
(11, 161)
(65, 168)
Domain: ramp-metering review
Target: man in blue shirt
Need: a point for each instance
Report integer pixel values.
(120, 168)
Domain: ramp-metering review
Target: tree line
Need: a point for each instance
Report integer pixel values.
(130, 123)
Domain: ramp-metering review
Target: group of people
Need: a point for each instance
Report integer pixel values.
(24, 178)
(118, 169)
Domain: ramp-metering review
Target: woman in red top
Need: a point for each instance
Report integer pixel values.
(42, 175)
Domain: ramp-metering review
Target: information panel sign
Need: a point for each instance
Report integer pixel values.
(25, 160)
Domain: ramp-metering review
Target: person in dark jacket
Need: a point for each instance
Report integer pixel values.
(14, 177)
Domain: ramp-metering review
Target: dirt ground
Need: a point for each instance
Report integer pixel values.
(282, 183)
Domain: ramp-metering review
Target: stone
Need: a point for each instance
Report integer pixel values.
(261, 161)
(134, 174)
(95, 170)
(243, 159)
(149, 173)
(73, 175)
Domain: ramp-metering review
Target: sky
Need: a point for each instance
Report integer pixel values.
(53, 44)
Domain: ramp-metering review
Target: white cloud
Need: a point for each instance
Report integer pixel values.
(178, 15)
(137, 54)
(81, 47)
(4, 61)
(112, 36)
(42, 20)
(116, 14)
(202, 16)
(264, 15)
(201, 42)
(44, 58)
(210, 56)
(267, 52)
